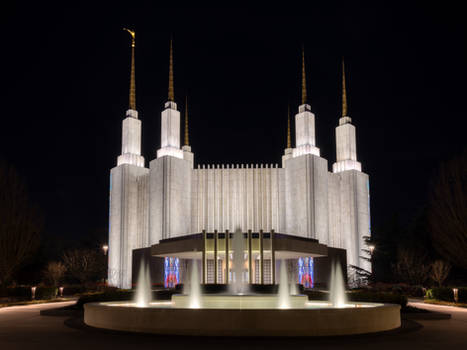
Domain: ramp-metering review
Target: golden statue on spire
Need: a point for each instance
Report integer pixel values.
(171, 74)
(133, 35)
(289, 139)
(186, 121)
(304, 97)
(344, 91)
(132, 73)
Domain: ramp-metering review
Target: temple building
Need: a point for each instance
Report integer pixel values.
(173, 211)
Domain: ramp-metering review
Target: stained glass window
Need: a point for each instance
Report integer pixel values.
(171, 272)
(305, 272)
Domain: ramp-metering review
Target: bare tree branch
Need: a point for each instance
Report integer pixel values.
(448, 211)
(20, 223)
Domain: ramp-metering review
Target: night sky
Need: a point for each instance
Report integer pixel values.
(65, 78)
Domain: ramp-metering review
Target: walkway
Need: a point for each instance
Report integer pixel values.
(21, 327)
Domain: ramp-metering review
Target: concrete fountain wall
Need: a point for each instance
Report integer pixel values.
(165, 319)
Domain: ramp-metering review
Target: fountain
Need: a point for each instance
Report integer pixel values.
(143, 293)
(237, 286)
(238, 313)
(337, 288)
(195, 289)
(284, 294)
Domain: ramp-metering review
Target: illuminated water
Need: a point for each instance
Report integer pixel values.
(284, 294)
(238, 298)
(195, 288)
(237, 286)
(143, 287)
(337, 298)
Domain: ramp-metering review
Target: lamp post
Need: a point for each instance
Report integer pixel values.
(371, 247)
(105, 249)
(33, 293)
(61, 292)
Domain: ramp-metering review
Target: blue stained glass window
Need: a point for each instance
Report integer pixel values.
(171, 272)
(305, 272)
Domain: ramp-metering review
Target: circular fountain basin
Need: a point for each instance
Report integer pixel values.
(222, 315)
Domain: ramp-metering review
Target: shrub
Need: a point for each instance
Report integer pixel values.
(214, 288)
(316, 294)
(462, 295)
(46, 293)
(264, 288)
(113, 294)
(108, 295)
(378, 297)
(19, 292)
(440, 293)
(416, 291)
(74, 289)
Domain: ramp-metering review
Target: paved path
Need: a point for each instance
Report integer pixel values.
(21, 327)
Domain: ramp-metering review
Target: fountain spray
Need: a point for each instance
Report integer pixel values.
(284, 295)
(337, 290)
(237, 286)
(195, 288)
(143, 287)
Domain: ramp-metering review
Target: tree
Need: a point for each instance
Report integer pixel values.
(54, 272)
(411, 266)
(448, 211)
(440, 271)
(20, 223)
(85, 265)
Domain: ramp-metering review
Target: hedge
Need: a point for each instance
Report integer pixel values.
(380, 297)
(363, 296)
(46, 293)
(110, 295)
(316, 294)
(120, 295)
(462, 295)
(447, 294)
(19, 292)
(440, 293)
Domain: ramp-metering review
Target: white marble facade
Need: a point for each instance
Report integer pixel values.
(173, 198)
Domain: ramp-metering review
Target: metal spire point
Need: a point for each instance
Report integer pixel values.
(186, 122)
(132, 72)
(171, 74)
(304, 97)
(344, 91)
(289, 139)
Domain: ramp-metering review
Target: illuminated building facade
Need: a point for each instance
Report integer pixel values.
(294, 211)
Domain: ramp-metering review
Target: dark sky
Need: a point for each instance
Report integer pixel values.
(65, 75)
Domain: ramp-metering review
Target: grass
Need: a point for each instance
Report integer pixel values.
(445, 303)
(33, 302)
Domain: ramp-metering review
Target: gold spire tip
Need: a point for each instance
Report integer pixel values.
(132, 71)
(171, 73)
(133, 36)
(289, 139)
(344, 91)
(304, 97)
(186, 122)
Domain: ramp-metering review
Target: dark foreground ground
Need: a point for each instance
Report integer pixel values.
(22, 327)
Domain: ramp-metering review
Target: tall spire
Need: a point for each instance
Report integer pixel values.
(132, 72)
(304, 97)
(171, 73)
(186, 122)
(289, 139)
(344, 91)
